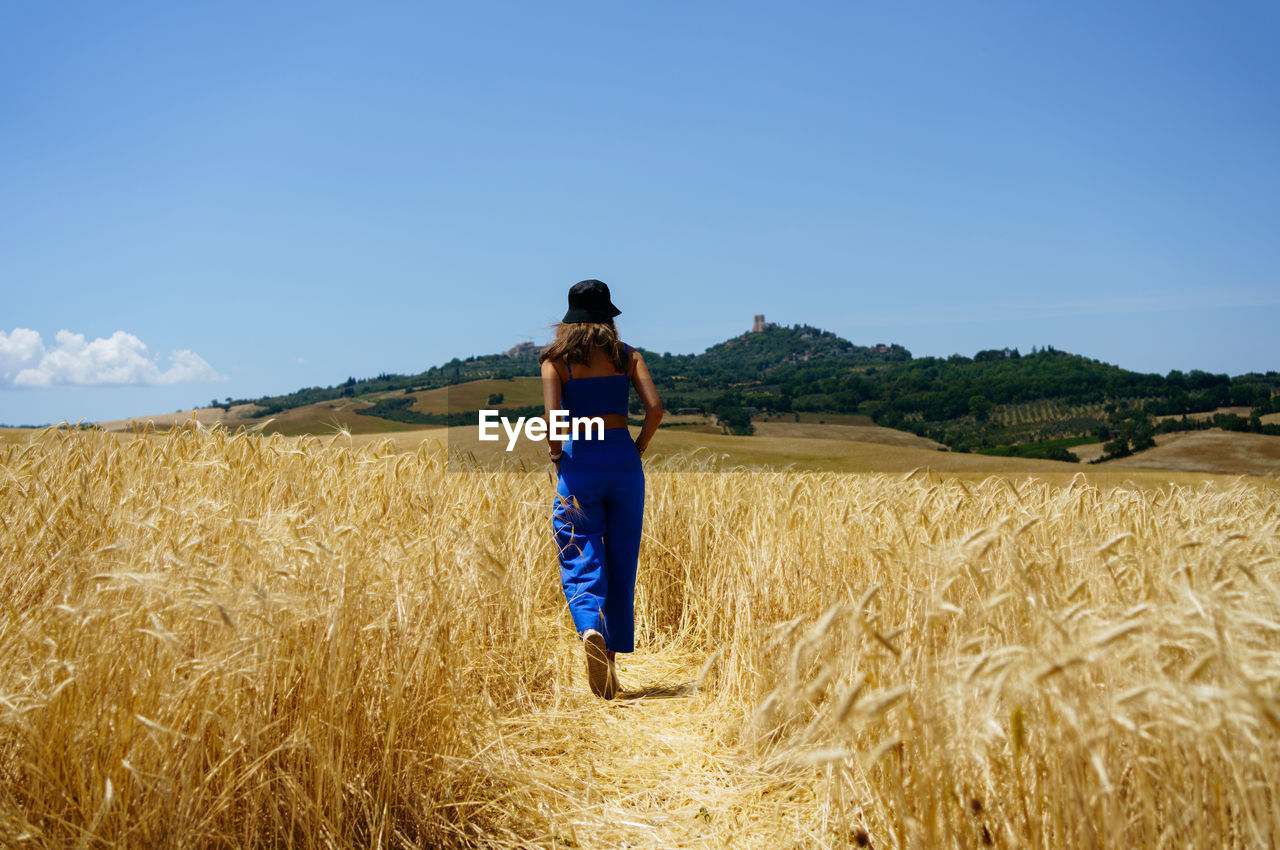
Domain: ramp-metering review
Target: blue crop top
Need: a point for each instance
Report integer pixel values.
(599, 396)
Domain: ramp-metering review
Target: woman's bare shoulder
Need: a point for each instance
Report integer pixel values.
(553, 368)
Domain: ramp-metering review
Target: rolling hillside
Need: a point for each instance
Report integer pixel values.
(995, 398)
(795, 384)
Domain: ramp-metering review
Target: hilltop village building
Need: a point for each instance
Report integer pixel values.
(523, 349)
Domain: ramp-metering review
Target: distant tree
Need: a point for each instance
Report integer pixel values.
(1231, 422)
(496, 398)
(979, 407)
(737, 421)
(1119, 447)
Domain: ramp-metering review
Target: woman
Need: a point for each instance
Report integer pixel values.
(599, 505)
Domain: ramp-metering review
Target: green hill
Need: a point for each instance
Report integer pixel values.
(996, 400)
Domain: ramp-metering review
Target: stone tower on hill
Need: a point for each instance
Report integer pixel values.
(758, 325)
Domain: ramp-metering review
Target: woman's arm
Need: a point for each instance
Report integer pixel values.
(643, 383)
(551, 401)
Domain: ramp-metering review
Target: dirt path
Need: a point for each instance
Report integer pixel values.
(651, 769)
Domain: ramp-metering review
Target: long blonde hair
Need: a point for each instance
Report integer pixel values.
(575, 341)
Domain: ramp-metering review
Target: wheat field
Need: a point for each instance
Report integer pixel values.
(217, 640)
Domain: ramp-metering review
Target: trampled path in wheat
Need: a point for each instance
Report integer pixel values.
(653, 768)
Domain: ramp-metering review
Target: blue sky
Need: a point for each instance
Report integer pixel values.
(287, 194)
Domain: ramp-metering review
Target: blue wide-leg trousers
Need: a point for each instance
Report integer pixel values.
(597, 520)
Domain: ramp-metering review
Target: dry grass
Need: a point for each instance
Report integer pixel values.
(857, 433)
(256, 641)
(327, 418)
(203, 415)
(1209, 414)
(814, 418)
(1088, 451)
(1212, 450)
(808, 454)
(836, 450)
(322, 418)
(474, 395)
(17, 435)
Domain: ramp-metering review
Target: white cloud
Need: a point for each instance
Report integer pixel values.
(121, 358)
(19, 350)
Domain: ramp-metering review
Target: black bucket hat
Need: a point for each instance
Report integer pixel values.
(589, 302)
